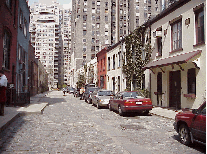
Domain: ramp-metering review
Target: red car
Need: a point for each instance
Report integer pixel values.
(191, 125)
(130, 101)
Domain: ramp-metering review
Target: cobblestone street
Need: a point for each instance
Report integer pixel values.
(70, 125)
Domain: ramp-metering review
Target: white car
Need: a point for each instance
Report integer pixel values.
(100, 98)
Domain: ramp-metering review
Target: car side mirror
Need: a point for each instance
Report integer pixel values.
(195, 111)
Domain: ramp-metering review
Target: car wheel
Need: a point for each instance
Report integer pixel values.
(98, 106)
(121, 113)
(184, 134)
(109, 105)
(146, 112)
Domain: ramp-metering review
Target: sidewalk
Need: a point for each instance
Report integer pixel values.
(164, 112)
(36, 106)
(11, 113)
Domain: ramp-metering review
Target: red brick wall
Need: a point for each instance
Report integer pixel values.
(8, 21)
(102, 67)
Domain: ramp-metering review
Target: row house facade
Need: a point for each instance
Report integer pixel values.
(15, 51)
(8, 39)
(22, 50)
(91, 71)
(32, 72)
(115, 78)
(102, 68)
(177, 71)
(8, 44)
(109, 64)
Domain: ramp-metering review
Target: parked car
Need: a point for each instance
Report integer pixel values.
(101, 98)
(77, 92)
(90, 85)
(130, 101)
(87, 94)
(191, 125)
(71, 90)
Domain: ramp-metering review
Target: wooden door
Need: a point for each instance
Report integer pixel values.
(175, 89)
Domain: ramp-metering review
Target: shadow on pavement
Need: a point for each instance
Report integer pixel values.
(197, 146)
(7, 135)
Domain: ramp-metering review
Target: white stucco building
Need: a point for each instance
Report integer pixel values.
(115, 78)
(177, 75)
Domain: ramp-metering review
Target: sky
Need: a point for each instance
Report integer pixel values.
(60, 1)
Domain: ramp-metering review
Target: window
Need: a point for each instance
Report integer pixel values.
(106, 4)
(101, 65)
(20, 19)
(15, 12)
(108, 63)
(102, 81)
(97, 48)
(98, 3)
(119, 60)
(159, 46)
(118, 83)
(93, 11)
(93, 56)
(199, 25)
(84, 17)
(84, 32)
(106, 18)
(143, 81)
(9, 3)
(192, 81)
(84, 48)
(176, 30)
(92, 48)
(106, 33)
(159, 82)
(6, 49)
(25, 27)
(114, 62)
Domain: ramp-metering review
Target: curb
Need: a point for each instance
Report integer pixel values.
(21, 112)
(4, 126)
(33, 109)
(162, 116)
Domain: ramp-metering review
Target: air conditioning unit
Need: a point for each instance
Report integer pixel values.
(157, 34)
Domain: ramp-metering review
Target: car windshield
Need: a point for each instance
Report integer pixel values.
(92, 89)
(105, 93)
(133, 94)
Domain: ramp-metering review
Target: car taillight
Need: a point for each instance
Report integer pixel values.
(128, 103)
(147, 102)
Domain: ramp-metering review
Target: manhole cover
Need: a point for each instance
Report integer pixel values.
(135, 127)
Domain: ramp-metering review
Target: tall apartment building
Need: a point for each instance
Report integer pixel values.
(100, 23)
(91, 29)
(66, 30)
(46, 37)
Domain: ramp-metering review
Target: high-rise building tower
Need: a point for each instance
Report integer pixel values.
(46, 37)
(66, 37)
(100, 23)
(91, 29)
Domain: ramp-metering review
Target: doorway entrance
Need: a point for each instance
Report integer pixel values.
(175, 89)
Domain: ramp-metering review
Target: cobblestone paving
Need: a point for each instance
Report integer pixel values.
(69, 125)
